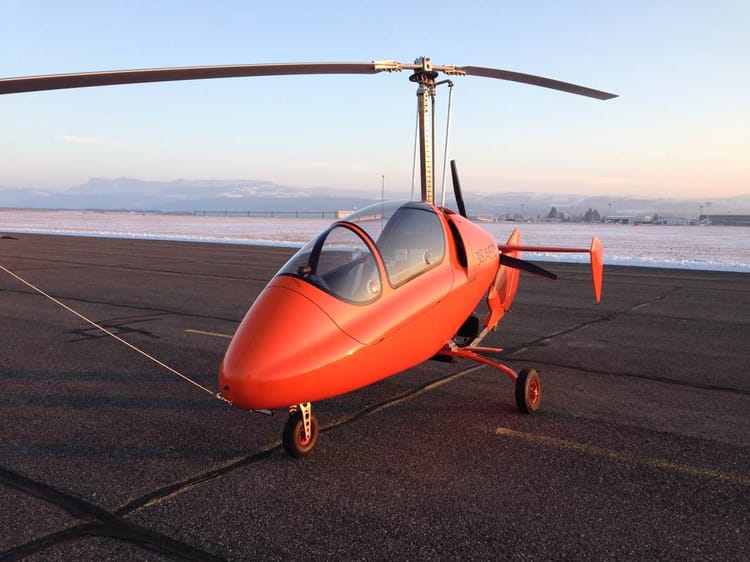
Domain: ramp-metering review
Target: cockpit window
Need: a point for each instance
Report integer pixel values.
(373, 218)
(412, 241)
(338, 262)
(409, 237)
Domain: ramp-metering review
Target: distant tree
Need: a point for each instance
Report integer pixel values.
(592, 215)
(553, 214)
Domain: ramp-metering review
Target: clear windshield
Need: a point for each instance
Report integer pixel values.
(340, 263)
(373, 218)
(409, 237)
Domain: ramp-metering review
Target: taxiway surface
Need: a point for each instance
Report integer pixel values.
(641, 449)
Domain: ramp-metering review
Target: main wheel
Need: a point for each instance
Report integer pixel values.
(528, 391)
(293, 437)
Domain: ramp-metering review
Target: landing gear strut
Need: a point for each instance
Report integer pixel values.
(301, 431)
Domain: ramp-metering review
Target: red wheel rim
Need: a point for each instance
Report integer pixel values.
(534, 391)
(301, 437)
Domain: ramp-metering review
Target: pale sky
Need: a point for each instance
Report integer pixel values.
(680, 128)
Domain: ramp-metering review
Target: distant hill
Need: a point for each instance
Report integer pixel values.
(539, 205)
(253, 195)
(183, 196)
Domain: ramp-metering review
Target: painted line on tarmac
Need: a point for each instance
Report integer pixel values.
(625, 457)
(212, 334)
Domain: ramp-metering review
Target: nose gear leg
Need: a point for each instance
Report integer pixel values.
(301, 430)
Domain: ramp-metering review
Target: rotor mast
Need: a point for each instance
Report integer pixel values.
(425, 76)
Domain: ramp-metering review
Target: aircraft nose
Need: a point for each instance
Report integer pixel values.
(281, 350)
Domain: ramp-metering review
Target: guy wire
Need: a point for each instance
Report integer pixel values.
(118, 338)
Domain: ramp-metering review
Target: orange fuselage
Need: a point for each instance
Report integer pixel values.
(300, 343)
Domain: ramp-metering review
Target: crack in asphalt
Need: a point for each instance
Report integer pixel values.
(96, 521)
(120, 267)
(651, 378)
(100, 522)
(116, 327)
(511, 354)
(128, 306)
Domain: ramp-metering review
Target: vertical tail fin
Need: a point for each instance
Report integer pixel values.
(597, 266)
(503, 290)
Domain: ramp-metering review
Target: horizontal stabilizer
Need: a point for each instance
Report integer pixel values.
(596, 253)
(526, 266)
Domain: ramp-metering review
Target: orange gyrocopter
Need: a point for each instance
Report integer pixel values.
(382, 290)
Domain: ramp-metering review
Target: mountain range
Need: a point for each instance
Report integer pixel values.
(188, 196)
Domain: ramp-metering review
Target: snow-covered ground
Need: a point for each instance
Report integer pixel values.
(723, 248)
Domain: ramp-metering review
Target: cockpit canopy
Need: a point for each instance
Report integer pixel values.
(407, 236)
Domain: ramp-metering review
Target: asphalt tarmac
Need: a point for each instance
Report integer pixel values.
(640, 451)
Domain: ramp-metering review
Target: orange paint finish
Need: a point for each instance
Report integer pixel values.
(298, 343)
(481, 248)
(283, 338)
(596, 254)
(359, 304)
(597, 266)
(502, 292)
(395, 307)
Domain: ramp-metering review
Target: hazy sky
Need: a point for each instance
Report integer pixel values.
(680, 128)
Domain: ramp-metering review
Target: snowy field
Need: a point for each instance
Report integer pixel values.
(721, 248)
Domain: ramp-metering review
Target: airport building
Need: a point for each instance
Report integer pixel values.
(726, 220)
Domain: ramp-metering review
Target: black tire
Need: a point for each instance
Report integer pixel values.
(528, 391)
(293, 438)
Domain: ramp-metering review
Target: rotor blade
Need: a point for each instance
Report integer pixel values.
(535, 81)
(457, 190)
(108, 78)
(527, 266)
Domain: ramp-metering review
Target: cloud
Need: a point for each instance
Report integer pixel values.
(77, 139)
(571, 179)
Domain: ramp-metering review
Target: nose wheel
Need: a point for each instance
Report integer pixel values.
(301, 431)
